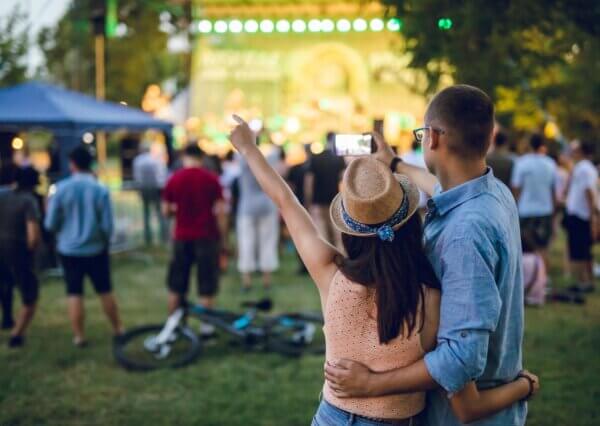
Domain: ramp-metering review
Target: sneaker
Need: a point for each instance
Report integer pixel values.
(16, 341)
(80, 343)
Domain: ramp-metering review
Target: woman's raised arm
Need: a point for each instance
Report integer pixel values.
(317, 254)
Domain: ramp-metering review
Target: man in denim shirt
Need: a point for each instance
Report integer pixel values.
(472, 239)
(80, 214)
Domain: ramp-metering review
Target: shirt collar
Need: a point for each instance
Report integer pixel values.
(443, 202)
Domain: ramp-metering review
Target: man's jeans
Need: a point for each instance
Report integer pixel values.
(151, 201)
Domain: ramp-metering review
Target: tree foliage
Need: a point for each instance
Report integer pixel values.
(14, 45)
(538, 59)
(133, 61)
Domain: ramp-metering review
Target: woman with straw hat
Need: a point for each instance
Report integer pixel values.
(381, 301)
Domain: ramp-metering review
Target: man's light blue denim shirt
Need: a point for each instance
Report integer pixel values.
(80, 214)
(472, 240)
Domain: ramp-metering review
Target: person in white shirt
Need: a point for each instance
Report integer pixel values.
(581, 219)
(534, 179)
(150, 175)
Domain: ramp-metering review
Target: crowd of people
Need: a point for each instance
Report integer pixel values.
(380, 237)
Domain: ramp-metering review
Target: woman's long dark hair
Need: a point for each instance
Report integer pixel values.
(396, 270)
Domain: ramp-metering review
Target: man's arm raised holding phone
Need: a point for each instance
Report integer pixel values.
(421, 177)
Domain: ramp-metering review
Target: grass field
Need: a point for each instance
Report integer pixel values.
(50, 382)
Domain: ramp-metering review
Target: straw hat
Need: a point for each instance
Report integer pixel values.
(374, 201)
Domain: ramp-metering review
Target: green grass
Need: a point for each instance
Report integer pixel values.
(51, 382)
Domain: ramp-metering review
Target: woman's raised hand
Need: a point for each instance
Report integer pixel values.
(242, 136)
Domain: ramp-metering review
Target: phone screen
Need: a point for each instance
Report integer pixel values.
(353, 145)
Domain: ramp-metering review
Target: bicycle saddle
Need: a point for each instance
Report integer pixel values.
(262, 305)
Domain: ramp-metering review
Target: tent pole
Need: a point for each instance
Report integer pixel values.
(101, 95)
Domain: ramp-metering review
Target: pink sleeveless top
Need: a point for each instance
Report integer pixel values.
(351, 333)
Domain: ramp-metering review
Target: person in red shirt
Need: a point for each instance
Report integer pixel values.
(194, 196)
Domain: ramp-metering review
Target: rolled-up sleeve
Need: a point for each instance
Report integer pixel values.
(469, 312)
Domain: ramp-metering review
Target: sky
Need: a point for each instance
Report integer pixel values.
(41, 13)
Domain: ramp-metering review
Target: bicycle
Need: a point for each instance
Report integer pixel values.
(174, 344)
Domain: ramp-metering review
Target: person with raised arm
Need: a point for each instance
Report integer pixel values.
(471, 238)
(381, 301)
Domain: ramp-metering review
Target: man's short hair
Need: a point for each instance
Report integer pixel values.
(536, 141)
(82, 158)
(588, 148)
(501, 138)
(193, 151)
(469, 112)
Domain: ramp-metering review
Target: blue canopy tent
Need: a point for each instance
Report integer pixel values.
(68, 115)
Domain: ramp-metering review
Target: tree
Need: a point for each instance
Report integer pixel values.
(14, 45)
(135, 59)
(537, 59)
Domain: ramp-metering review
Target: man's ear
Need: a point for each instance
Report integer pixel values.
(434, 140)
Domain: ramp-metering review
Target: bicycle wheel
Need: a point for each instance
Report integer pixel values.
(295, 334)
(138, 350)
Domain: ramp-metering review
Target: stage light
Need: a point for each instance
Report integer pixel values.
(314, 25)
(17, 144)
(220, 27)
(327, 25)
(394, 24)
(377, 24)
(236, 26)
(444, 23)
(283, 26)
(267, 26)
(344, 25)
(88, 137)
(251, 26)
(204, 26)
(299, 26)
(359, 25)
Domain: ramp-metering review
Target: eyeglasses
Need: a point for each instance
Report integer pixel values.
(420, 132)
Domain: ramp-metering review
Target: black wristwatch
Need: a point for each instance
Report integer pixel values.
(394, 163)
(531, 383)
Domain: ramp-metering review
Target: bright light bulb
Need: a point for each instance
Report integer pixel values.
(377, 24)
(236, 26)
(88, 137)
(267, 26)
(283, 26)
(327, 25)
(316, 148)
(251, 26)
(256, 125)
(220, 27)
(292, 125)
(344, 25)
(359, 25)
(17, 144)
(299, 26)
(314, 25)
(204, 26)
(394, 24)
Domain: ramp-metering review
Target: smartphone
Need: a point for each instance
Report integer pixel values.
(378, 125)
(353, 145)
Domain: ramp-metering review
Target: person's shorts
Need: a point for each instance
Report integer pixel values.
(579, 238)
(16, 268)
(539, 229)
(258, 240)
(97, 268)
(202, 253)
